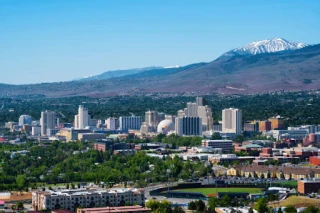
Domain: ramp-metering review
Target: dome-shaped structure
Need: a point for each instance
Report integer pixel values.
(165, 126)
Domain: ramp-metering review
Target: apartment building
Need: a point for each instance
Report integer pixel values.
(295, 173)
(72, 199)
(117, 209)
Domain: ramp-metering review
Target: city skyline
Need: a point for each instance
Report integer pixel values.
(60, 41)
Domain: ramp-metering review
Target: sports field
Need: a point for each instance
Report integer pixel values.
(207, 191)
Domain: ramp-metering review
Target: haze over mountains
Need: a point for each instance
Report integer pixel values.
(262, 66)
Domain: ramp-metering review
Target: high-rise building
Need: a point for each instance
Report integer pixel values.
(100, 123)
(264, 126)
(277, 123)
(188, 126)
(111, 123)
(47, 121)
(192, 109)
(199, 109)
(25, 119)
(151, 119)
(82, 119)
(205, 113)
(160, 117)
(251, 126)
(130, 122)
(200, 101)
(232, 121)
(181, 114)
(171, 118)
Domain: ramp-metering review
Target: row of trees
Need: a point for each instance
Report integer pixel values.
(58, 162)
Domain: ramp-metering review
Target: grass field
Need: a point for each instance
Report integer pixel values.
(207, 191)
(298, 201)
(288, 184)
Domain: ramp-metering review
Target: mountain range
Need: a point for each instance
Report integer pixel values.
(262, 66)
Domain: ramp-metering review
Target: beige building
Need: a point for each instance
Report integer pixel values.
(133, 209)
(287, 173)
(82, 119)
(72, 199)
(232, 121)
(71, 134)
(91, 136)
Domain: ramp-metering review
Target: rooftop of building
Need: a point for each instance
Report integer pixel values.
(285, 170)
(115, 209)
(61, 211)
(234, 209)
(251, 146)
(223, 140)
(312, 180)
(88, 191)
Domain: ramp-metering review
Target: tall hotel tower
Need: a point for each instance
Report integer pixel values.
(81, 120)
(232, 121)
(47, 121)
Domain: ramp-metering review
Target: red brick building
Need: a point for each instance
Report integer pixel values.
(315, 160)
(308, 186)
(266, 152)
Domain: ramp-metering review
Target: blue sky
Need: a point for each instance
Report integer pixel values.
(60, 40)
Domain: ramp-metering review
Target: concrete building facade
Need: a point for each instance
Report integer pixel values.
(232, 121)
(225, 145)
(47, 121)
(130, 122)
(25, 119)
(82, 119)
(72, 199)
(188, 126)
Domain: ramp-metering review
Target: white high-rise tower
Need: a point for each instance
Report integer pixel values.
(232, 121)
(81, 120)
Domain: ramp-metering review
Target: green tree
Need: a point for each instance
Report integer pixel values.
(311, 209)
(178, 209)
(239, 138)
(216, 136)
(19, 205)
(261, 205)
(21, 181)
(213, 203)
(200, 205)
(290, 209)
(225, 200)
(153, 205)
(192, 205)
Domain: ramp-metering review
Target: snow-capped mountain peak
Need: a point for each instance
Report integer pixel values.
(266, 46)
